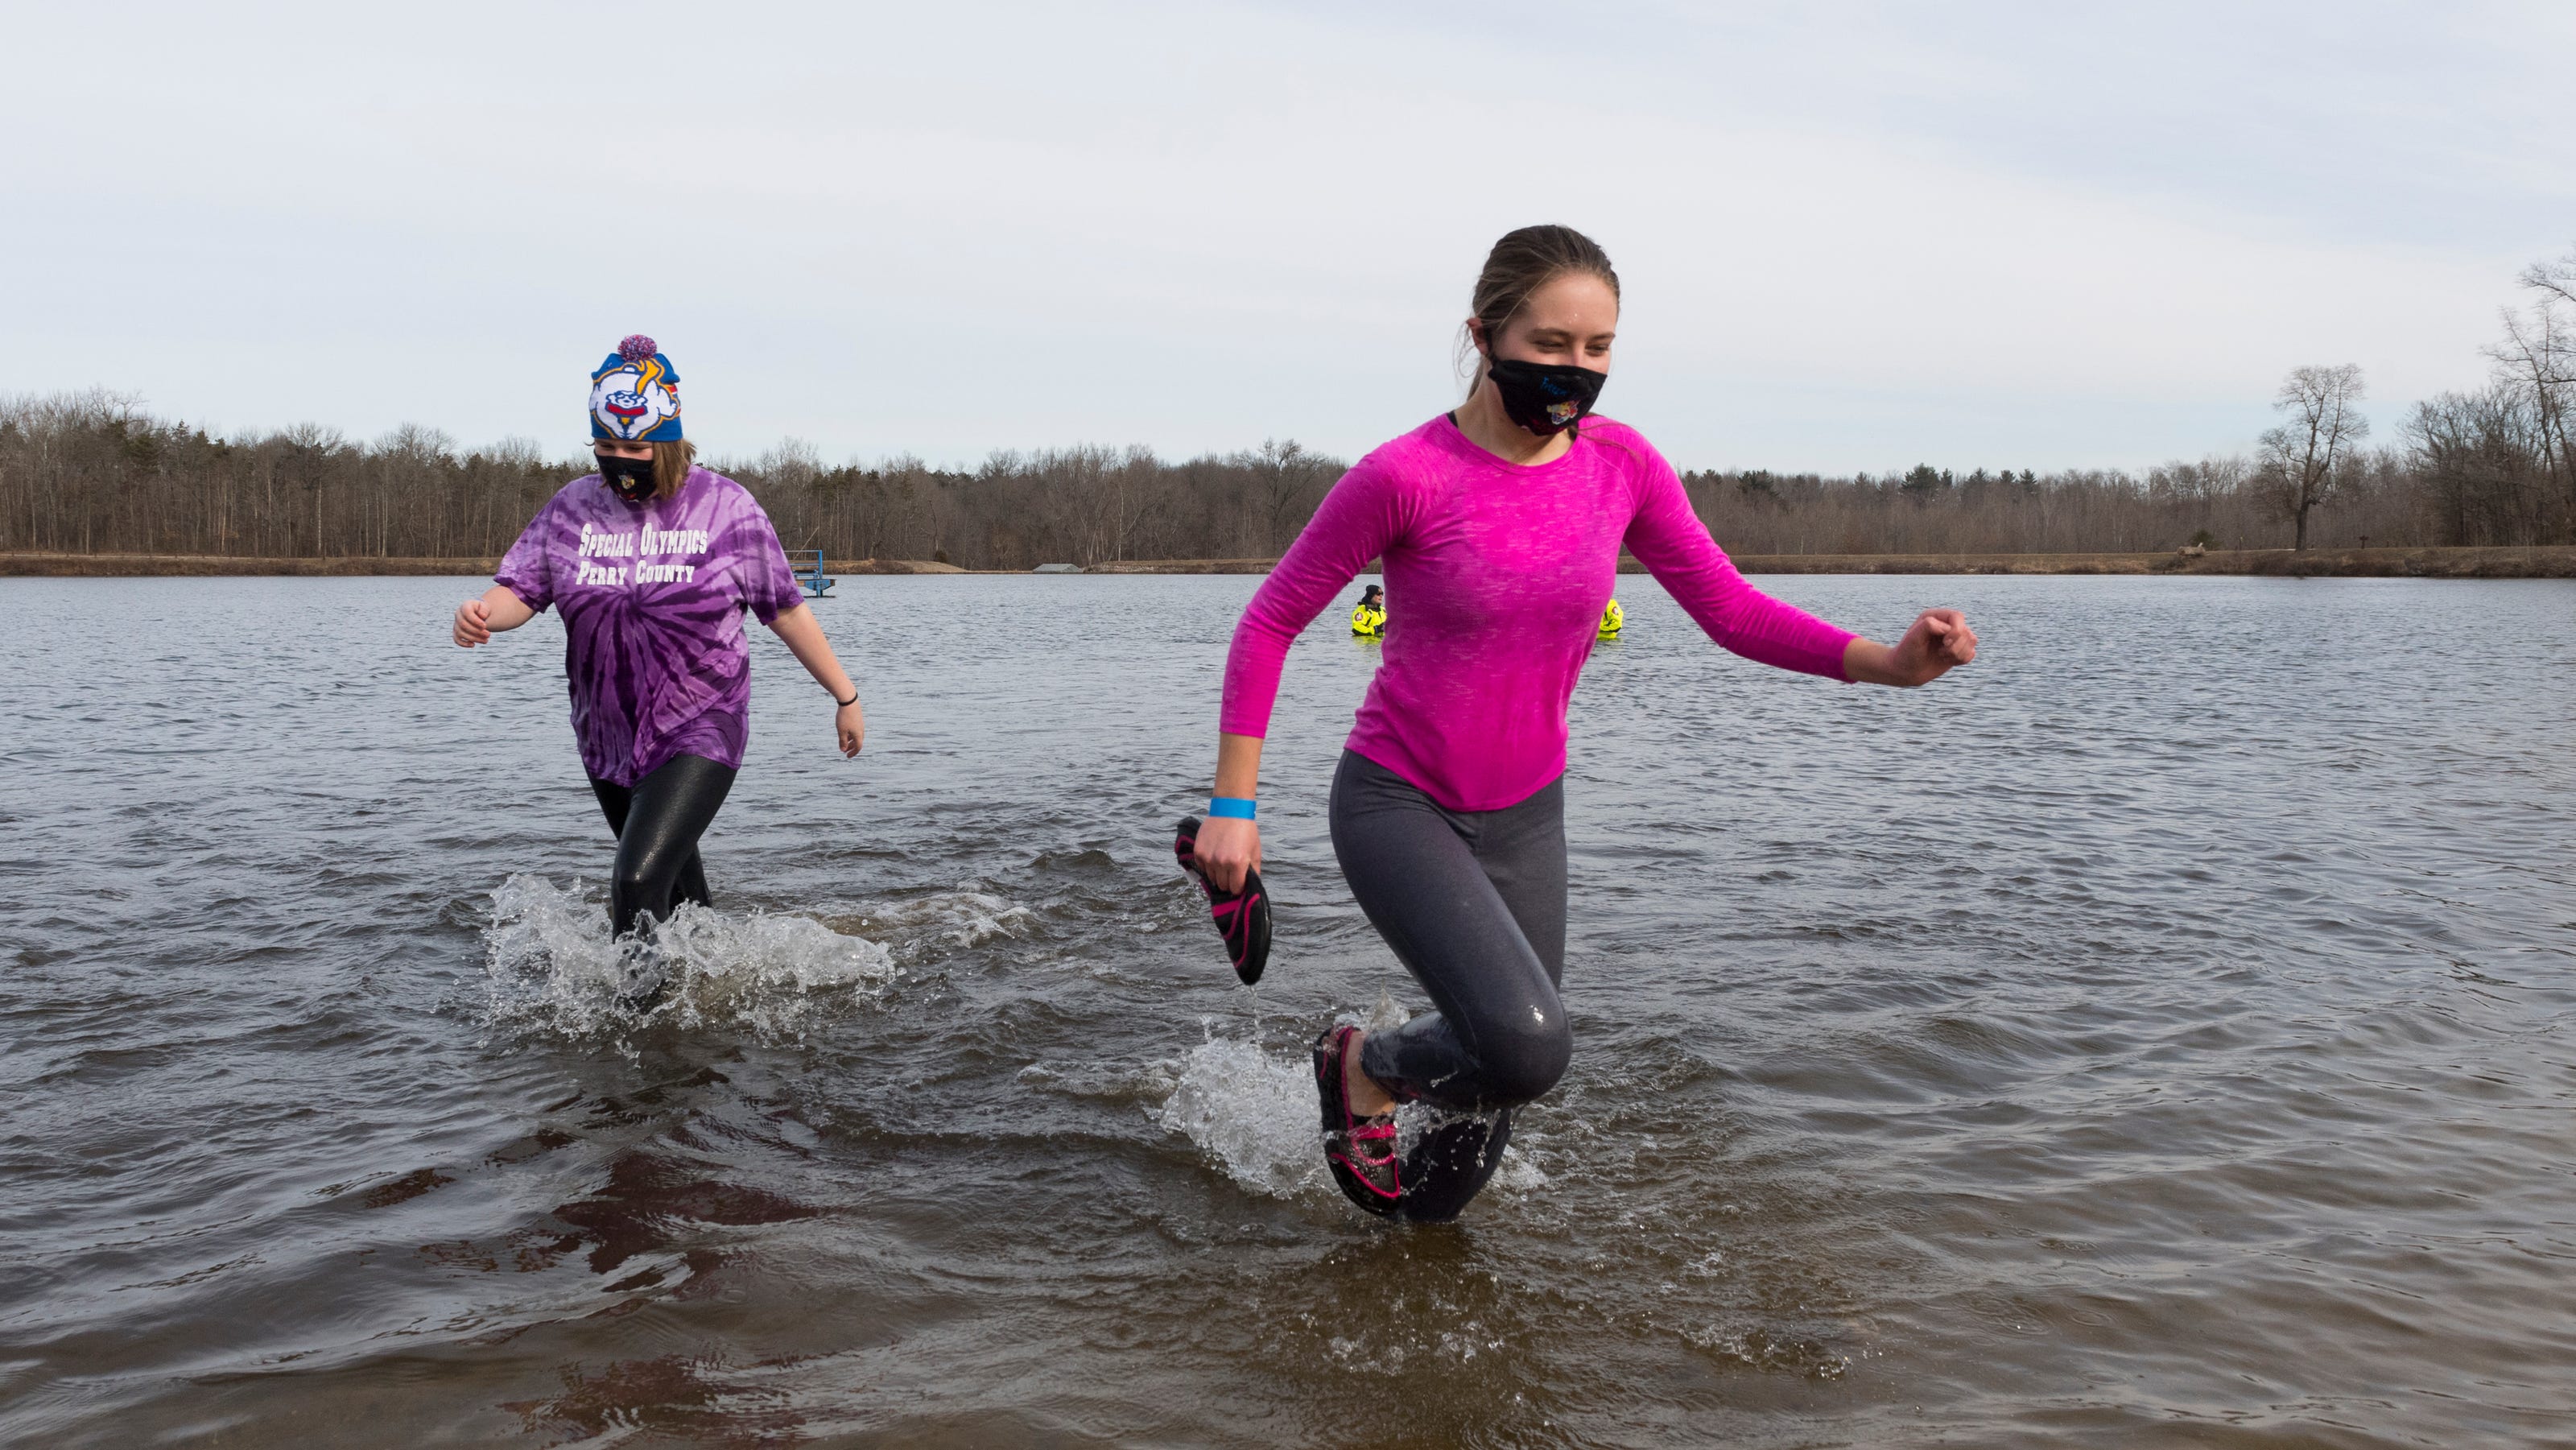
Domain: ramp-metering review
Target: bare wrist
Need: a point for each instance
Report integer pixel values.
(1868, 662)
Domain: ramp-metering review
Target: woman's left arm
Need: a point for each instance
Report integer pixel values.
(803, 635)
(1669, 539)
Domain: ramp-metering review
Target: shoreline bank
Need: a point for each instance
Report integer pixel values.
(2539, 562)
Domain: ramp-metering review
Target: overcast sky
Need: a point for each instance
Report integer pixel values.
(1851, 236)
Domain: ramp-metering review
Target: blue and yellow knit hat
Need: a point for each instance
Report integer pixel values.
(635, 395)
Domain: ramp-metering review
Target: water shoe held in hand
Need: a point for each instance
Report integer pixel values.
(1242, 917)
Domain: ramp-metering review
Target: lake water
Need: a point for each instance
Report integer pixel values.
(2157, 1034)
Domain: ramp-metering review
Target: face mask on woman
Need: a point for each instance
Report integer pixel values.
(631, 477)
(1545, 397)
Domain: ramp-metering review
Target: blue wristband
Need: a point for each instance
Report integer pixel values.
(1232, 807)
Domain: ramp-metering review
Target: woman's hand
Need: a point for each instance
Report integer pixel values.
(477, 620)
(851, 723)
(1227, 847)
(1939, 642)
(473, 625)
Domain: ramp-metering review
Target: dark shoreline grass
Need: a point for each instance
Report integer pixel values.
(2547, 562)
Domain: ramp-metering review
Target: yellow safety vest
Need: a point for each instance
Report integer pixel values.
(1611, 620)
(1368, 622)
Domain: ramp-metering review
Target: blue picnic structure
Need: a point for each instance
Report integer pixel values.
(808, 564)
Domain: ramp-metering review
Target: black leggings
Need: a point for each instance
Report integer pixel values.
(1473, 902)
(658, 821)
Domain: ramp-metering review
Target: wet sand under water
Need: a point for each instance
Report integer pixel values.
(2158, 1036)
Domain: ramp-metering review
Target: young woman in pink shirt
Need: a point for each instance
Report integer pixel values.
(1501, 526)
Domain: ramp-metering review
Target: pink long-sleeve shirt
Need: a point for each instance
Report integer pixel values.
(1497, 574)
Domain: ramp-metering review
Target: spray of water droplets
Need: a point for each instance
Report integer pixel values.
(1254, 1113)
(551, 967)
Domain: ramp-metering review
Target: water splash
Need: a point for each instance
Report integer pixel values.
(551, 967)
(1518, 1174)
(1773, 1353)
(1254, 1114)
(942, 920)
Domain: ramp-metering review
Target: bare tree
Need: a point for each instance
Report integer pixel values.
(2538, 360)
(1092, 499)
(407, 469)
(794, 469)
(1291, 484)
(2557, 278)
(792, 461)
(2479, 469)
(2303, 454)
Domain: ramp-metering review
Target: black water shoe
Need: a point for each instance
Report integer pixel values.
(1242, 917)
(1360, 1151)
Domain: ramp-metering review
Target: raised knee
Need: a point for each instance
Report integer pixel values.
(1521, 1063)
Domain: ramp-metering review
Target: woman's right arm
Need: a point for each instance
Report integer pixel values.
(478, 619)
(1358, 519)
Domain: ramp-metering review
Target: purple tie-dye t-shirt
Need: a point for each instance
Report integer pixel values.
(652, 600)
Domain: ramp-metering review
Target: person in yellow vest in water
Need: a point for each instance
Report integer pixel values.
(1611, 619)
(1368, 617)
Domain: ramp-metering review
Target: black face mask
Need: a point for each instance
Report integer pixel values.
(1545, 397)
(631, 477)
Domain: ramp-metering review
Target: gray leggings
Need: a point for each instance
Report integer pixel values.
(1473, 902)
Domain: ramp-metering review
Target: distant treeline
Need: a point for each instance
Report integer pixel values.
(94, 473)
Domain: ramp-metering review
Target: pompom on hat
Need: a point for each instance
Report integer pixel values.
(635, 395)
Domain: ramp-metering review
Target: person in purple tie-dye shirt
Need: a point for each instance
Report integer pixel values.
(652, 562)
